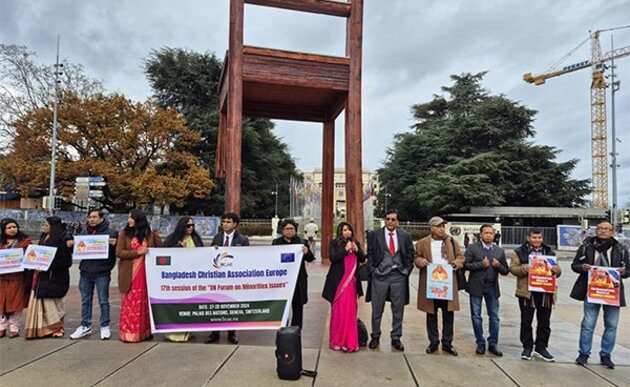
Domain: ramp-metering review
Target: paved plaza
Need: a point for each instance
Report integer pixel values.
(88, 362)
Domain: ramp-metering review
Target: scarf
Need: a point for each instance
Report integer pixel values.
(602, 248)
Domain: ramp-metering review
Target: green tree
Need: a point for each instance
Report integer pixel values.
(189, 82)
(474, 149)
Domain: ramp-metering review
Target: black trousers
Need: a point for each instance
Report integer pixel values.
(543, 317)
(297, 312)
(447, 324)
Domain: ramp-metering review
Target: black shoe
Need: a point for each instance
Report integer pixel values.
(398, 345)
(432, 348)
(582, 359)
(373, 343)
(494, 349)
(214, 337)
(450, 349)
(526, 354)
(606, 362)
(481, 349)
(544, 355)
(232, 338)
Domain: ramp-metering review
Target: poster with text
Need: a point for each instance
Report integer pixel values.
(225, 288)
(38, 257)
(603, 286)
(91, 247)
(540, 277)
(11, 260)
(439, 282)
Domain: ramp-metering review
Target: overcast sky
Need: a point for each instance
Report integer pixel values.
(410, 49)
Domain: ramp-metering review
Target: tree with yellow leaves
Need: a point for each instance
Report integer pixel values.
(141, 150)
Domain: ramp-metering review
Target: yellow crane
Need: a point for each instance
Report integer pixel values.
(599, 146)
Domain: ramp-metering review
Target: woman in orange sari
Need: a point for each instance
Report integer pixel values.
(12, 295)
(133, 243)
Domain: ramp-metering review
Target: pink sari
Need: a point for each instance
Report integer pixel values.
(135, 323)
(344, 335)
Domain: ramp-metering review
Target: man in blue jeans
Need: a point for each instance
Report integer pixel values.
(600, 250)
(97, 273)
(485, 261)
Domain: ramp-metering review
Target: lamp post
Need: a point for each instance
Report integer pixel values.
(51, 187)
(387, 196)
(275, 193)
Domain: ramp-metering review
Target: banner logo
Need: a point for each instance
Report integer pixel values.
(222, 260)
(287, 257)
(163, 260)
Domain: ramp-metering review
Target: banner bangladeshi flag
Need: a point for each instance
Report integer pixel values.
(603, 285)
(224, 288)
(540, 277)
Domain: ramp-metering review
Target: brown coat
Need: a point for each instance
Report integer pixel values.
(126, 255)
(423, 250)
(12, 295)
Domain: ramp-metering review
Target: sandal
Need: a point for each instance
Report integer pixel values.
(58, 333)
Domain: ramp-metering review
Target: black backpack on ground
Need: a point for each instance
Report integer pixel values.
(289, 354)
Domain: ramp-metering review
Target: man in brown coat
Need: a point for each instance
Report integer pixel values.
(430, 249)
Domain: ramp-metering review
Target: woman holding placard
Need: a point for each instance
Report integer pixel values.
(342, 288)
(133, 243)
(12, 295)
(48, 288)
(184, 235)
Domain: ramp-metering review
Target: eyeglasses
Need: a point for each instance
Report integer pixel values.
(190, 225)
(604, 229)
(391, 219)
(289, 229)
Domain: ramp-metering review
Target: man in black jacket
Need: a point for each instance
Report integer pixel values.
(229, 236)
(96, 272)
(390, 260)
(485, 261)
(600, 250)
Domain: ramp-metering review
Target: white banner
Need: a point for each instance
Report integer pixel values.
(11, 260)
(225, 288)
(38, 257)
(91, 247)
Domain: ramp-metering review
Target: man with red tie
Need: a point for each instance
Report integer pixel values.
(390, 261)
(229, 236)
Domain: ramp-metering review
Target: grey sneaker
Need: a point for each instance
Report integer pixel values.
(81, 332)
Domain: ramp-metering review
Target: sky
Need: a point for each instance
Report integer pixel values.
(410, 48)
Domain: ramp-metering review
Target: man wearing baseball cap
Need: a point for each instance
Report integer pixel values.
(435, 248)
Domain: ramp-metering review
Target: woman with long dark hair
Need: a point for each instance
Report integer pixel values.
(343, 287)
(300, 295)
(46, 308)
(184, 235)
(133, 243)
(12, 295)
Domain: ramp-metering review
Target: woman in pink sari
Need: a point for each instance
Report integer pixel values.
(343, 287)
(133, 243)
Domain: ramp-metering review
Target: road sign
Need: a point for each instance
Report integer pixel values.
(98, 183)
(96, 179)
(95, 194)
(82, 180)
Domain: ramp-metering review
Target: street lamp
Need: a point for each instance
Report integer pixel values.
(275, 193)
(387, 196)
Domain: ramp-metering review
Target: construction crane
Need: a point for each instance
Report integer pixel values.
(599, 139)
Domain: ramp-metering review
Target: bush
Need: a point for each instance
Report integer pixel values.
(255, 229)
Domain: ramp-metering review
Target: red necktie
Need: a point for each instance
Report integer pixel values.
(392, 245)
(227, 241)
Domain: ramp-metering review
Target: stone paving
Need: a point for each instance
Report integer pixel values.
(88, 362)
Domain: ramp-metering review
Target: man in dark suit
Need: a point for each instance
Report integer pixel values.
(230, 236)
(485, 261)
(390, 260)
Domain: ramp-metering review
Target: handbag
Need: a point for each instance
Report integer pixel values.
(363, 333)
(460, 274)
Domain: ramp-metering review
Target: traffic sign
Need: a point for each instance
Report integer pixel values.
(95, 194)
(98, 183)
(96, 179)
(82, 180)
